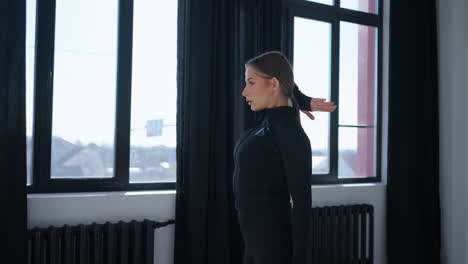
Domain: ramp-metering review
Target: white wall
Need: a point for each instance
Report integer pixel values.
(453, 97)
(86, 208)
(60, 209)
(354, 194)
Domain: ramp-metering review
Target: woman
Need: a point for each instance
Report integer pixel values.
(273, 166)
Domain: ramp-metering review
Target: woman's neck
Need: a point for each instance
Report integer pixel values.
(280, 101)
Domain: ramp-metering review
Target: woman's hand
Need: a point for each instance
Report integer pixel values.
(319, 105)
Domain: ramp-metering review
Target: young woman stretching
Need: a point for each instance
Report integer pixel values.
(273, 166)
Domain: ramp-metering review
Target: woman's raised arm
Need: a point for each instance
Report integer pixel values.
(308, 104)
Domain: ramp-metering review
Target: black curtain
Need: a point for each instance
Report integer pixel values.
(413, 207)
(260, 30)
(215, 38)
(13, 131)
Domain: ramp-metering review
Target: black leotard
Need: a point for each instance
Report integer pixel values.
(273, 163)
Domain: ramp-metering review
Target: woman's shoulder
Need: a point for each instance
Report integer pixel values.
(289, 134)
(287, 125)
(283, 116)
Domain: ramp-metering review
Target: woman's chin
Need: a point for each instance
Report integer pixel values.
(253, 108)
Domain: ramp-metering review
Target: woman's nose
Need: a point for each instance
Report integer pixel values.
(244, 91)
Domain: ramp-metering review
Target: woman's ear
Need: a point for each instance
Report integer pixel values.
(276, 85)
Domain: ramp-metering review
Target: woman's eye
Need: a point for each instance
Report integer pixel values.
(251, 83)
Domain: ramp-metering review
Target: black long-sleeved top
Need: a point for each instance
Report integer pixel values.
(273, 163)
(302, 99)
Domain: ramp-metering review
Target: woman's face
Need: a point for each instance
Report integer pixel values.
(259, 91)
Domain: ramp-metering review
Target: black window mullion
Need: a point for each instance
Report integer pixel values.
(311, 13)
(98, 185)
(322, 179)
(359, 17)
(334, 97)
(379, 95)
(358, 179)
(43, 93)
(381, 7)
(327, 13)
(123, 98)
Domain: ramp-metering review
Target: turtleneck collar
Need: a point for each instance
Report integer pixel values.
(274, 112)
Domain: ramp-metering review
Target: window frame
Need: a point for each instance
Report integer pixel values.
(43, 95)
(334, 14)
(42, 182)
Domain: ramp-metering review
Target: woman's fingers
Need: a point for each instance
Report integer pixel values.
(309, 114)
(319, 104)
(318, 99)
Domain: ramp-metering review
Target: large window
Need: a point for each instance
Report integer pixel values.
(335, 47)
(101, 95)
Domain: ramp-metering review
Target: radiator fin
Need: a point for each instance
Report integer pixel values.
(120, 243)
(342, 234)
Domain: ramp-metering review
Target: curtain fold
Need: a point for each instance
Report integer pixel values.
(13, 131)
(260, 30)
(413, 206)
(216, 38)
(205, 230)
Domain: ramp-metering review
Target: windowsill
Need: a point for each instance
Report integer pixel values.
(95, 194)
(171, 192)
(349, 185)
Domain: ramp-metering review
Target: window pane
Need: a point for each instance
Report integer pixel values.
(312, 65)
(326, 2)
(369, 6)
(356, 152)
(358, 78)
(154, 92)
(84, 89)
(30, 46)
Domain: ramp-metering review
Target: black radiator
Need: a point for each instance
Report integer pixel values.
(343, 234)
(119, 243)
